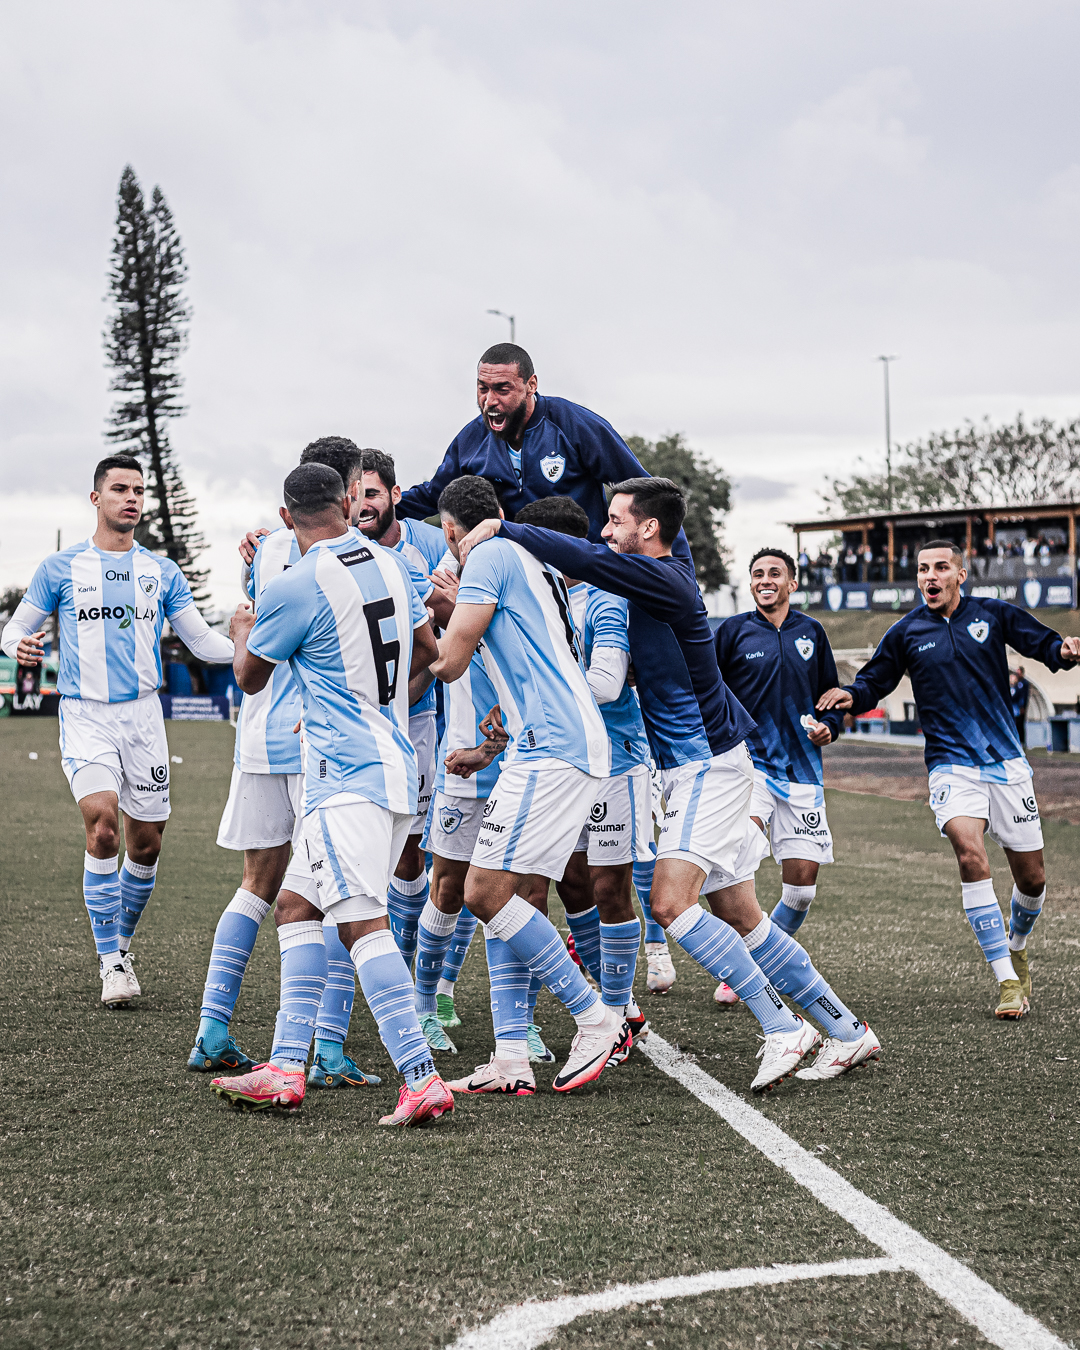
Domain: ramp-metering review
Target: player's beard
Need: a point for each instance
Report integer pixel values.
(512, 430)
(377, 528)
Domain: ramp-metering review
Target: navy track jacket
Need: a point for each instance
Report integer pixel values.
(689, 715)
(960, 677)
(778, 675)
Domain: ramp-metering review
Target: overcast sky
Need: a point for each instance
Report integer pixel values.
(706, 218)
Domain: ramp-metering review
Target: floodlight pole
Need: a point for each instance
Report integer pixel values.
(505, 316)
(888, 435)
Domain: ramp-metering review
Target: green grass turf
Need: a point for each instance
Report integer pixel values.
(137, 1210)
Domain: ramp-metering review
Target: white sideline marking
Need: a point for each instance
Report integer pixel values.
(999, 1320)
(527, 1325)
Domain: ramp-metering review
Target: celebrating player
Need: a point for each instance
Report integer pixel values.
(557, 760)
(697, 732)
(953, 649)
(348, 619)
(113, 597)
(778, 664)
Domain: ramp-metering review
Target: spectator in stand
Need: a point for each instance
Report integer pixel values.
(903, 564)
(1044, 551)
(1019, 694)
(851, 564)
(823, 567)
(1029, 549)
(805, 577)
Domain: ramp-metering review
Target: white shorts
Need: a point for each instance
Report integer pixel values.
(794, 814)
(264, 810)
(1009, 809)
(620, 829)
(452, 827)
(534, 816)
(707, 821)
(347, 850)
(425, 742)
(117, 747)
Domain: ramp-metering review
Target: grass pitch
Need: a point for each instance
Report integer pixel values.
(139, 1211)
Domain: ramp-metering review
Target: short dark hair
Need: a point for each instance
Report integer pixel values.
(509, 354)
(114, 462)
(337, 453)
(944, 543)
(313, 489)
(656, 499)
(562, 514)
(785, 558)
(469, 500)
(378, 461)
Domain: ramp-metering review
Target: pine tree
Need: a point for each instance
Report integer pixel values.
(143, 342)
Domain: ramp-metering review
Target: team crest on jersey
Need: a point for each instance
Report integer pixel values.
(148, 585)
(805, 647)
(979, 630)
(552, 466)
(940, 795)
(449, 819)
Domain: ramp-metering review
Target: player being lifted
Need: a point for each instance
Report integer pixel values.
(778, 664)
(953, 649)
(113, 597)
(350, 622)
(697, 731)
(556, 763)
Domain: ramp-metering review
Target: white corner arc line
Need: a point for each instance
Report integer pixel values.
(999, 1319)
(524, 1326)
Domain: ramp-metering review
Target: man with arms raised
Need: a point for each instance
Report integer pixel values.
(953, 649)
(517, 610)
(697, 731)
(113, 597)
(349, 621)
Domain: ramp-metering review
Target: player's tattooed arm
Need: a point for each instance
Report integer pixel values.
(464, 763)
(252, 672)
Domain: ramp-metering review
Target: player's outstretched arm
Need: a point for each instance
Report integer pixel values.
(880, 676)
(200, 639)
(1023, 631)
(462, 637)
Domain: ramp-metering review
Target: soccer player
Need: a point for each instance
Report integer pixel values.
(348, 619)
(697, 731)
(113, 597)
(953, 647)
(262, 817)
(778, 664)
(526, 444)
(517, 611)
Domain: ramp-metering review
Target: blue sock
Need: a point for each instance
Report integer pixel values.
(793, 907)
(101, 895)
(457, 952)
(434, 934)
(534, 993)
(404, 901)
(303, 981)
(533, 939)
(585, 929)
(234, 941)
(619, 943)
(335, 1010)
(643, 874)
(384, 978)
(136, 888)
(1025, 909)
(509, 1000)
(984, 914)
(715, 945)
(786, 964)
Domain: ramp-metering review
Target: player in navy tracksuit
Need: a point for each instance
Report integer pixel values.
(953, 649)
(697, 732)
(778, 663)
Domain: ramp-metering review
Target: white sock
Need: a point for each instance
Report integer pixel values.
(799, 898)
(512, 1050)
(446, 987)
(1003, 969)
(409, 887)
(592, 1016)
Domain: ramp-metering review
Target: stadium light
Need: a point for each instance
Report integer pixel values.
(505, 316)
(888, 434)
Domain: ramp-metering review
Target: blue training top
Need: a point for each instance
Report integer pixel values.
(688, 711)
(778, 675)
(960, 677)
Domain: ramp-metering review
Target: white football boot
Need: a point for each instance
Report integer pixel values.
(724, 994)
(782, 1053)
(129, 971)
(838, 1057)
(115, 986)
(513, 1077)
(592, 1049)
(661, 975)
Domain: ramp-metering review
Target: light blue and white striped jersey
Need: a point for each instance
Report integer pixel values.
(265, 741)
(343, 618)
(466, 701)
(420, 568)
(601, 618)
(532, 657)
(422, 544)
(112, 609)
